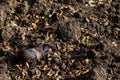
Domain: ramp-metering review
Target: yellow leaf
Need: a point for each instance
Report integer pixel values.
(36, 21)
(1, 27)
(34, 26)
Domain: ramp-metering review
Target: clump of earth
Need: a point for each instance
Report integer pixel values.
(59, 39)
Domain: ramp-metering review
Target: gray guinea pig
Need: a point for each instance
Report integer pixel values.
(36, 53)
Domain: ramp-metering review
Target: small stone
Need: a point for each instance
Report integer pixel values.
(63, 66)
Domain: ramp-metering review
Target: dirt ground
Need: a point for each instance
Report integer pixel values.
(59, 39)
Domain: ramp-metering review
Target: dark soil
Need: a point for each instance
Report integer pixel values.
(59, 40)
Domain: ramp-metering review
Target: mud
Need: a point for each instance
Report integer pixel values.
(83, 36)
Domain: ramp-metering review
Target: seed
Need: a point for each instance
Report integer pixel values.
(87, 61)
(92, 3)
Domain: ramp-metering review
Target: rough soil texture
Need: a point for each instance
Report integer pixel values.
(59, 40)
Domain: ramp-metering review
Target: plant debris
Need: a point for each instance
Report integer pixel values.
(59, 40)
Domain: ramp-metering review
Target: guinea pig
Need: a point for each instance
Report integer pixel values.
(36, 53)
